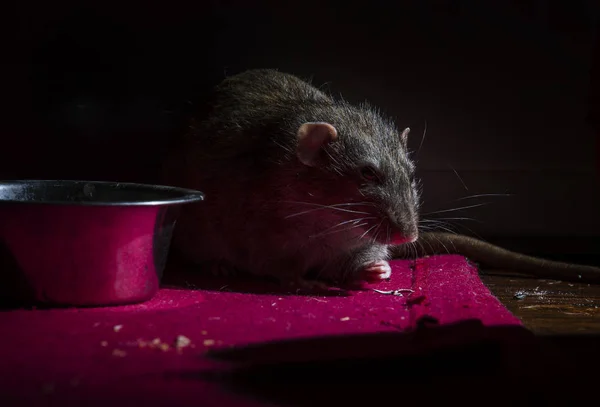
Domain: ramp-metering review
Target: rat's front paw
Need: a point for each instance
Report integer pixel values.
(376, 271)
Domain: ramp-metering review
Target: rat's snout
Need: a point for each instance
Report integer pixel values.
(402, 227)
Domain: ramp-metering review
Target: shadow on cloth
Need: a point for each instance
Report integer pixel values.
(455, 362)
(180, 274)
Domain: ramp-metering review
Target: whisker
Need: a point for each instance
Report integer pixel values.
(332, 205)
(442, 243)
(413, 251)
(480, 195)
(367, 231)
(447, 226)
(430, 246)
(345, 223)
(422, 138)
(408, 250)
(434, 220)
(447, 230)
(339, 231)
(336, 207)
(325, 207)
(460, 179)
(377, 231)
(473, 232)
(456, 209)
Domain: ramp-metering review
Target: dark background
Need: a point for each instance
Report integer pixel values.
(94, 90)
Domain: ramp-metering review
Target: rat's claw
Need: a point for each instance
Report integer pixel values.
(376, 271)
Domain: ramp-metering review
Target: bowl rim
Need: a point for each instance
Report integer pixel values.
(187, 195)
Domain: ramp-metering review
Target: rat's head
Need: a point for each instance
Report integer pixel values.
(367, 158)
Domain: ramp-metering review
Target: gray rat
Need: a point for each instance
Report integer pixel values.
(309, 189)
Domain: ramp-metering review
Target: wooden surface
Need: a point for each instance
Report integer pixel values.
(548, 307)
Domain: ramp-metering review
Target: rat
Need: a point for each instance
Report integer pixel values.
(310, 190)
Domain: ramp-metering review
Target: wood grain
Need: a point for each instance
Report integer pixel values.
(548, 307)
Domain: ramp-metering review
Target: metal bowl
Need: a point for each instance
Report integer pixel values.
(85, 243)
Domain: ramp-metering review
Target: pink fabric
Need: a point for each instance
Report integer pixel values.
(93, 357)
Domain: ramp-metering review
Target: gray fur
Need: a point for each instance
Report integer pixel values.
(242, 154)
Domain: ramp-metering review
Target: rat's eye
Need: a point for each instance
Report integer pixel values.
(369, 173)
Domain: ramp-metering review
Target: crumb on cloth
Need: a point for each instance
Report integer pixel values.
(182, 342)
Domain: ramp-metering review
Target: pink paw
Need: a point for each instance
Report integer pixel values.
(377, 271)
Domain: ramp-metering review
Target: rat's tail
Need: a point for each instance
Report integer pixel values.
(497, 258)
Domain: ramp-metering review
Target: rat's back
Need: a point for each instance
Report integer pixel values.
(229, 154)
(245, 112)
(265, 88)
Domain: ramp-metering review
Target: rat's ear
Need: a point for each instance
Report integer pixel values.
(312, 137)
(404, 136)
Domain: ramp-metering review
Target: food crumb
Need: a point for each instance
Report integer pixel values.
(345, 319)
(182, 342)
(203, 332)
(117, 328)
(119, 353)
(104, 344)
(155, 343)
(208, 342)
(520, 295)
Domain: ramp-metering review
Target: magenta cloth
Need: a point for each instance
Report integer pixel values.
(72, 356)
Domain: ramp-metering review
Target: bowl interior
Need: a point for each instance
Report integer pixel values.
(63, 192)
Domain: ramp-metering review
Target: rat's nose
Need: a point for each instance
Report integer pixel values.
(402, 225)
(398, 237)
